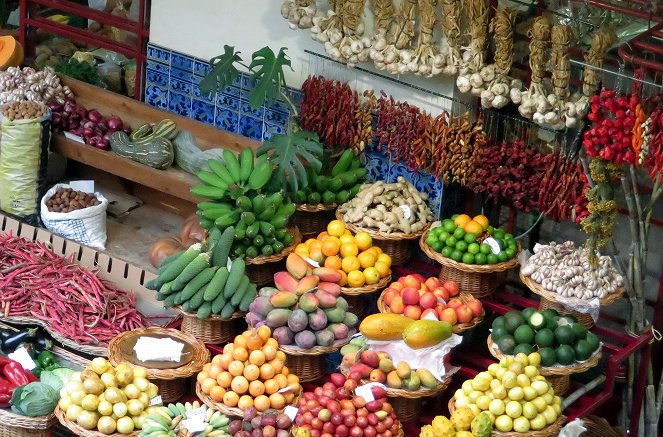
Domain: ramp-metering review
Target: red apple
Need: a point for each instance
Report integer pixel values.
(413, 312)
(476, 307)
(439, 310)
(419, 277)
(410, 296)
(423, 289)
(389, 295)
(377, 375)
(464, 314)
(428, 311)
(428, 300)
(397, 305)
(412, 281)
(454, 303)
(432, 283)
(449, 316)
(398, 286)
(452, 287)
(442, 293)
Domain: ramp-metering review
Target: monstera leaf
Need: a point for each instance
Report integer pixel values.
(223, 72)
(291, 154)
(267, 75)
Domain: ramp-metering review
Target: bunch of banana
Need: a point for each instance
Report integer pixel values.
(340, 186)
(168, 421)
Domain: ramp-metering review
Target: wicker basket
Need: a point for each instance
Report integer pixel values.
(261, 269)
(313, 219)
(354, 296)
(478, 280)
(15, 425)
(228, 411)
(551, 430)
(212, 330)
(559, 377)
(549, 300)
(80, 431)
(172, 383)
(599, 427)
(457, 328)
(401, 433)
(309, 364)
(395, 244)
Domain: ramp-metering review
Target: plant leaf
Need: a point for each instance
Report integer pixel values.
(224, 72)
(292, 154)
(267, 76)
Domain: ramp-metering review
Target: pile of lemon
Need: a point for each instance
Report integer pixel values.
(354, 256)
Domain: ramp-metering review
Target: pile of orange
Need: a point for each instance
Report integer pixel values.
(470, 225)
(354, 256)
(250, 372)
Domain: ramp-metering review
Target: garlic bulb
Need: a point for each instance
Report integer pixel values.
(476, 81)
(463, 84)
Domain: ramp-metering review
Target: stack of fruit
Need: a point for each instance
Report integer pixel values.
(418, 298)
(335, 410)
(355, 258)
(458, 426)
(417, 334)
(271, 423)
(471, 241)
(513, 393)
(238, 197)
(250, 372)
(559, 340)
(106, 398)
(170, 421)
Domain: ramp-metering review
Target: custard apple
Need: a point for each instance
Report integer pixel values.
(482, 426)
(442, 427)
(427, 431)
(462, 419)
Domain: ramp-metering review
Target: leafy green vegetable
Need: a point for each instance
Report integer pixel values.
(292, 154)
(34, 399)
(223, 72)
(268, 75)
(56, 378)
(83, 71)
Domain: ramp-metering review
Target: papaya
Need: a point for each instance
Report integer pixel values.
(426, 333)
(384, 326)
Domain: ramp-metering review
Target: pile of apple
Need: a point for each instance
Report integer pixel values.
(416, 297)
(334, 410)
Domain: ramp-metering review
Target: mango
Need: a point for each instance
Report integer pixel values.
(427, 378)
(370, 358)
(316, 255)
(305, 339)
(403, 370)
(426, 333)
(349, 359)
(298, 320)
(283, 335)
(309, 302)
(349, 349)
(326, 300)
(335, 315)
(285, 282)
(386, 365)
(340, 330)
(413, 383)
(393, 380)
(341, 303)
(350, 320)
(317, 320)
(362, 369)
(261, 306)
(327, 275)
(267, 291)
(283, 299)
(277, 317)
(330, 287)
(296, 266)
(324, 337)
(384, 326)
(252, 319)
(307, 283)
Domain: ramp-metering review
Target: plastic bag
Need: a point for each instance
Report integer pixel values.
(23, 158)
(86, 226)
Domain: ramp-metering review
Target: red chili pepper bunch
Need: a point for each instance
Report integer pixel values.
(74, 301)
(581, 201)
(561, 186)
(399, 126)
(328, 109)
(12, 375)
(653, 161)
(611, 136)
(509, 172)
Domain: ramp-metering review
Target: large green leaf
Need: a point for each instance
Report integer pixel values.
(292, 154)
(224, 72)
(267, 75)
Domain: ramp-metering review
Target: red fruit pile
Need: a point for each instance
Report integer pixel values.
(333, 410)
(416, 297)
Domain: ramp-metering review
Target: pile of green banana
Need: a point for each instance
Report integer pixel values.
(239, 198)
(341, 185)
(168, 421)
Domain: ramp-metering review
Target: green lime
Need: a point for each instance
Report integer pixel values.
(431, 239)
(456, 256)
(544, 338)
(508, 237)
(491, 258)
(550, 313)
(593, 340)
(480, 258)
(506, 344)
(461, 246)
(490, 229)
(527, 312)
(468, 258)
(498, 333)
(485, 249)
(525, 348)
(437, 246)
(536, 320)
(459, 233)
(436, 231)
(548, 356)
(442, 236)
(551, 323)
(510, 252)
(453, 217)
(564, 335)
(524, 334)
(583, 350)
(446, 251)
(502, 256)
(513, 321)
(498, 234)
(565, 355)
(470, 238)
(498, 322)
(579, 330)
(511, 243)
(473, 248)
(448, 225)
(451, 241)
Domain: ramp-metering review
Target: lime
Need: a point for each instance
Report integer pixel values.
(459, 233)
(564, 335)
(513, 321)
(511, 243)
(470, 238)
(451, 241)
(498, 333)
(527, 312)
(448, 225)
(510, 252)
(551, 323)
(548, 356)
(456, 256)
(513, 313)
(492, 258)
(480, 258)
(442, 236)
(536, 320)
(490, 229)
(468, 258)
(583, 350)
(485, 249)
(579, 330)
(550, 313)
(435, 231)
(524, 334)
(506, 344)
(508, 237)
(461, 246)
(453, 217)
(593, 340)
(473, 248)
(565, 355)
(502, 256)
(498, 322)
(431, 239)
(446, 251)
(525, 348)
(437, 246)
(498, 234)
(544, 338)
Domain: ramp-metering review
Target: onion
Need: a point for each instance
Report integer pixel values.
(114, 123)
(73, 124)
(88, 132)
(127, 130)
(69, 106)
(107, 136)
(56, 119)
(94, 115)
(55, 106)
(88, 124)
(102, 143)
(102, 128)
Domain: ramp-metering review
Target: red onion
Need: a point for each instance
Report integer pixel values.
(69, 106)
(73, 124)
(88, 124)
(102, 128)
(127, 130)
(114, 123)
(56, 119)
(55, 106)
(88, 132)
(94, 115)
(107, 136)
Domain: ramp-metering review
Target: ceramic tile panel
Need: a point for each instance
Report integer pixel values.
(153, 65)
(228, 101)
(156, 95)
(272, 129)
(181, 86)
(179, 104)
(245, 108)
(226, 119)
(156, 78)
(158, 54)
(377, 166)
(250, 127)
(202, 111)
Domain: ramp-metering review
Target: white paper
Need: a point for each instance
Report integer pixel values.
(573, 429)
(23, 358)
(287, 389)
(312, 262)
(407, 212)
(84, 186)
(365, 392)
(156, 401)
(199, 414)
(494, 245)
(158, 349)
(291, 412)
(194, 425)
(74, 137)
(431, 316)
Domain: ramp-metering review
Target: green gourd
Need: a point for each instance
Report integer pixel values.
(156, 152)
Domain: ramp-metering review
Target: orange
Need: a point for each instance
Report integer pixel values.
(266, 371)
(228, 349)
(248, 333)
(217, 393)
(240, 341)
(277, 365)
(383, 257)
(264, 332)
(315, 246)
(239, 385)
(202, 375)
(363, 240)
(350, 264)
(256, 388)
(366, 259)
(302, 252)
(277, 401)
(206, 367)
(371, 275)
(311, 241)
(280, 355)
(224, 379)
(473, 227)
(293, 379)
(322, 236)
(254, 342)
(251, 372)
(207, 384)
(347, 232)
(214, 371)
(373, 250)
(230, 399)
(336, 228)
(240, 353)
(482, 220)
(344, 278)
(382, 268)
(236, 368)
(349, 249)
(269, 351)
(271, 386)
(245, 402)
(261, 403)
(225, 360)
(216, 360)
(290, 397)
(330, 247)
(333, 262)
(257, 358)
(271, 342)
(462, 219)
(281, 379)
(356, 279)
(343, 239)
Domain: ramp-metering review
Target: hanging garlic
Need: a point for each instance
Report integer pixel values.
(463, 84)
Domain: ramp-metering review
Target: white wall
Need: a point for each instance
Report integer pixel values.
(202, 27)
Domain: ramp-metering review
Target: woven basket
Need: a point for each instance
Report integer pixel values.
(261, 269)
(478, 280)
(313, 219)
(15, 425)
(355, 299)
(401, 433)
(395, 244)
(557, 376)
(172, 383)
(551, 430)
(80, 431)
(583, 318)
(228, 411)
(309, 364)
(599, 427)
(457, 328)
(212, 330)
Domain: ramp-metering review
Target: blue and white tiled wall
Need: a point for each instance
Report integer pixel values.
(172, 83)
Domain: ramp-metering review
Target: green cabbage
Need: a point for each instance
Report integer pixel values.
(56, 378)
(34, 399)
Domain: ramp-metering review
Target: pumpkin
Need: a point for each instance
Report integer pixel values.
(11, 52)
(192, 231)
(165, 247)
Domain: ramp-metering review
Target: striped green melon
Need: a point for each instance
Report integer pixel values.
(156, 152)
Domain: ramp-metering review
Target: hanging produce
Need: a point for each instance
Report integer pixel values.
(384, 53)
(424, 60)
(451, 29)
(611, 135)
(342, 32)
(398, 128)
(462, 149)
(364, 122)
(299, 13)
(534, 99)
(595, 55)
(478, 17)
(561, 184)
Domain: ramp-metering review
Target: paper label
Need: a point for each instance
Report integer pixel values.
(494, 245)
(286, 389)
(365, 391)
(431, 316)
(156, 401)
(229, 264)
(312, 262)
(23, 358)
(291, 412)
(198, 414)
(84, 186)
(194, 425)
(407, 212)
(74, 137)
